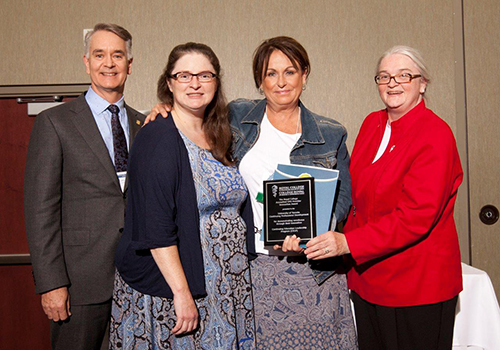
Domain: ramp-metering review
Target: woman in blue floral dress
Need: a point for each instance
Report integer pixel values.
(183, 279)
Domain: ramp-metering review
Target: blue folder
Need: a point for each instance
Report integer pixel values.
(325, 184)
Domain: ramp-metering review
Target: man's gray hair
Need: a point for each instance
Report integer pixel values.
(113, 28)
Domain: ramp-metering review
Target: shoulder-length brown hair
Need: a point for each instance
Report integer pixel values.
(289, 46)
(216, 120)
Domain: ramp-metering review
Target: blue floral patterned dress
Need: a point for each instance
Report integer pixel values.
(226, 313)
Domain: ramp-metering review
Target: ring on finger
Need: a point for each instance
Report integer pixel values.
(327, 250)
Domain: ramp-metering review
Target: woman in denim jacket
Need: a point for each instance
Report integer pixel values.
(297, 305)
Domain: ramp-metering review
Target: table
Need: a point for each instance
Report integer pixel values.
(477, 321)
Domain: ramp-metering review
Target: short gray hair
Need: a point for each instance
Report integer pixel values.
(112, 28)
(413, 54)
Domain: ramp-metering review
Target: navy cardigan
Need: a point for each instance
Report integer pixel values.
(162, 211)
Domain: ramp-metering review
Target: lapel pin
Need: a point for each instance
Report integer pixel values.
(138, 122)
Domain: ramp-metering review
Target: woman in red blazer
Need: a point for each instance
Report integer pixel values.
(405, 171)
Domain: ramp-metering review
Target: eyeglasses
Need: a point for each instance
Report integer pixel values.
(402, 78)
(186, 77)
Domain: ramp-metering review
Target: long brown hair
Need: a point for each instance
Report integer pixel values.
(216, 120)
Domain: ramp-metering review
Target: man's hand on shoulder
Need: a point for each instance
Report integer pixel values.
(56, 304)
(160, 108)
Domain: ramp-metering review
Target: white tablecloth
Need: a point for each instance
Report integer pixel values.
(477, 322)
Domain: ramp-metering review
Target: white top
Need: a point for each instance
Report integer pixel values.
(384, 142)
(272, 147)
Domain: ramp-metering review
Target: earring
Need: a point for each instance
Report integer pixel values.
(304, 87)
(261, 91)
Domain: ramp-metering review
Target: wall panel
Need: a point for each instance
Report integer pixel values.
(482, 36)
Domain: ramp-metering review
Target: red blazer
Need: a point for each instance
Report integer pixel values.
(401, 230)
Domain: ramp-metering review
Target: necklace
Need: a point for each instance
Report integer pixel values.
(298, 122)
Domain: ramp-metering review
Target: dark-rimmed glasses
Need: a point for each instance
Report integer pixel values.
(186, 77)
(402, 78)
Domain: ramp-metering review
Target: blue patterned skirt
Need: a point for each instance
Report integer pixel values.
(293, 312)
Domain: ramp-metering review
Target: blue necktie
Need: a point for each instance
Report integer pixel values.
(119, 140)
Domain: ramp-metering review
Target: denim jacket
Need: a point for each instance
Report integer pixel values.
(321, 144)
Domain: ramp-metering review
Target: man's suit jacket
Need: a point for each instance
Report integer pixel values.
(74, 207)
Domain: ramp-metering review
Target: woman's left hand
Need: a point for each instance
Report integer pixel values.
(327, 245)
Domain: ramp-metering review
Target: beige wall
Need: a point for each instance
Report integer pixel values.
(41, 42)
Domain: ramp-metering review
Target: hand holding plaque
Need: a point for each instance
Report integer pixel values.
(322, 195)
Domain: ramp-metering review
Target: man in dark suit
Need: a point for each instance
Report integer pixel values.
(74, 193)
